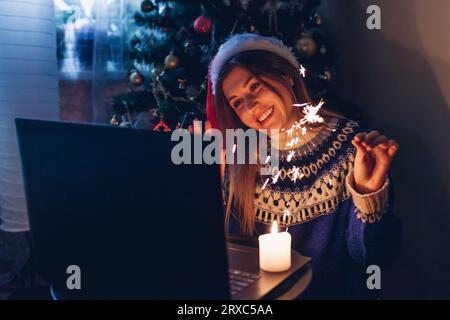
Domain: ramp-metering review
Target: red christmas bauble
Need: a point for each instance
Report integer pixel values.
(203, 25)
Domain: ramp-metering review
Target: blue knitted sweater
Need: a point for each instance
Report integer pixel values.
(342, 231)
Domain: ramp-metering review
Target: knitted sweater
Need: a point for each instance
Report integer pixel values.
(342, 231)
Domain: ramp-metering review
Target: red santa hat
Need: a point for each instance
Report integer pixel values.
(236, 44)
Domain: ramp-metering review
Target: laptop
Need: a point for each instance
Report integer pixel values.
(111, 217)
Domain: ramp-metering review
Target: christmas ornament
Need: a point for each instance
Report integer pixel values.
(306, 46)
(136, 78)
(161, 126)
(171, 61)
(325, 76)
(203, 25)
(324, 80)
(147, 6)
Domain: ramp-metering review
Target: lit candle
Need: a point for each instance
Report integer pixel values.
(275, 250)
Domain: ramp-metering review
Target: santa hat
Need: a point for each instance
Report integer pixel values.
(236, 44)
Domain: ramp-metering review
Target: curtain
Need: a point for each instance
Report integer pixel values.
(28, 88)
(92, 53)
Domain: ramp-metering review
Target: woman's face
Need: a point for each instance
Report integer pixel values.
(256, 105)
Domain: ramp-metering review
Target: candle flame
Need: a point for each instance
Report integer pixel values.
(274, 227)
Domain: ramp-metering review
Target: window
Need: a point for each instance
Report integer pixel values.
(91, 36)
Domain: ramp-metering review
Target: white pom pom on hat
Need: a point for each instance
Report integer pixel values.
(247, 42)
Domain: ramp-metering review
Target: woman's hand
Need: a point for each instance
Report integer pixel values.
(374, 153)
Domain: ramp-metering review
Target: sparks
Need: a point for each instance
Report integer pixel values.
(310, 113)
(275, 179)
(267, 159)
(290, 155)
(234, 148)
(265, 183)
(301, 104)
(295, 174)
(302, 71)
(290, 131)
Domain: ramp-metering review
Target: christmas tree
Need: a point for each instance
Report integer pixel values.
(176, 40)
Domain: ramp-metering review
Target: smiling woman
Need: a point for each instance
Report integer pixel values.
(255, 103)
(260, 96)
(330, 188)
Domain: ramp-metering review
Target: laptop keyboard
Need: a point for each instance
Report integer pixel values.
(240, 280)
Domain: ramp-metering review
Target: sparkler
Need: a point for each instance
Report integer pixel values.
(290, 155)
(275, 178)
(310, 116)
(302, 71)
(265, 183)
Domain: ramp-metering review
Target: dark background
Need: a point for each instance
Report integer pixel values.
(400, 78)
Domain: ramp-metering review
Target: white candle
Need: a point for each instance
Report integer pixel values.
(275, 250)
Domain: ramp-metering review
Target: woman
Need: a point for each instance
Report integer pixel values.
(331, 186)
